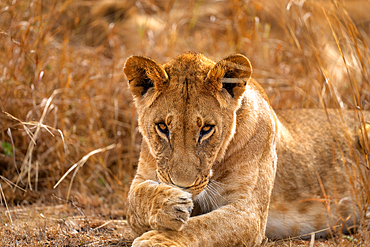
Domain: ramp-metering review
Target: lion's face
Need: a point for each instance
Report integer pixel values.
(185, 137)
(187, 112)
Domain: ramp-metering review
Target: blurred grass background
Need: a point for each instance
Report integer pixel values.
(63, 93)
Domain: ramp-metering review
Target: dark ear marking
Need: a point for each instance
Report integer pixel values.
(230, 74)
(229, 87)
(144, 73)
(230, 81)
(146, 84)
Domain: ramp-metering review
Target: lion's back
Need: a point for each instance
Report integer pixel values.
(317, 152)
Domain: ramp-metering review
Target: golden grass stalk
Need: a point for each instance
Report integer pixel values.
(11, 184)
(79, 164)
(27, 162)
(6, 204)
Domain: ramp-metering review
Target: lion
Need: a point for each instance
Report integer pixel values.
(219, 167)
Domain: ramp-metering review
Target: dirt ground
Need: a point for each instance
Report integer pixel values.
(63, 225)
(69, 225)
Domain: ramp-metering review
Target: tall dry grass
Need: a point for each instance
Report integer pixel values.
(61, 100)
(64, 99)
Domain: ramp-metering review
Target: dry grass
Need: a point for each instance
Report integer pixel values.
(64, 96)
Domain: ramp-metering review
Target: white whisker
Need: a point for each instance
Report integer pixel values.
(210, 198)
(217, 188)
(217, 184)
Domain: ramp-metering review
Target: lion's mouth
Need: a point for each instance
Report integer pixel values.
(198, 185)
(197, 188)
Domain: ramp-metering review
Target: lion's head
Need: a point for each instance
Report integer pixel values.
(187, 112)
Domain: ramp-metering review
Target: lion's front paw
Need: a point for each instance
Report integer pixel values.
(155, 239)
(172, 210)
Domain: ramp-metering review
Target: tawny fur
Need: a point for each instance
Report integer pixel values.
(255, 174)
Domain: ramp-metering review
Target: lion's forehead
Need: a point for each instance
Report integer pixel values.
(186, 99)
(188, 69)
(189, 62)
(187, 115)
(189, 103)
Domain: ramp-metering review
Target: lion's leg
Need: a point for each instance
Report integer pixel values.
(242, 222)
(233, 225)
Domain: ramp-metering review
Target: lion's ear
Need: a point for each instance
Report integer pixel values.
(143, 74)
(230, 74)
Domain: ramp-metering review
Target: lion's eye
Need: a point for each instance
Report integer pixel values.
(163, 128)
(206, 129)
